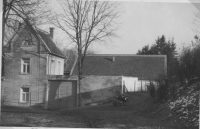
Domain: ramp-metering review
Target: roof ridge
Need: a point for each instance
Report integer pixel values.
(125, 55)
(56, 44)
(36, 29)
(54, 52)
(145, 67)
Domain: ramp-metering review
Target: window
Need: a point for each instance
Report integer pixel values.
(52, 67)
(26, 43)
(58, 67)
(24, 94)
(25, 67)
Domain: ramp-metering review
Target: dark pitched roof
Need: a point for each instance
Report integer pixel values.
(145, 67)
(52, 48)
(46, 40)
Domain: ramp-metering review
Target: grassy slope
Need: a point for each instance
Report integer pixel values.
(139, 113)
(186, 105)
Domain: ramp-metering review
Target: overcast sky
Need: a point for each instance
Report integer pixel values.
(143, 22)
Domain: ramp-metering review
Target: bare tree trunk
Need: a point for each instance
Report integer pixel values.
(79, 79)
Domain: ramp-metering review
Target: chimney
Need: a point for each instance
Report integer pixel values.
(51, 29)
(113, 59)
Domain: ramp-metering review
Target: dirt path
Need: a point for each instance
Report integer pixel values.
(139, 113)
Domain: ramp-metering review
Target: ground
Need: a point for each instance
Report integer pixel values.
(139, 113)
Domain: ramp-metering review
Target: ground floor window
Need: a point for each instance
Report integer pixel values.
(24, 95)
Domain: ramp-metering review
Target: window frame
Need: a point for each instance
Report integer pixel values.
(26, 43)
(23, 95)
(53, 67)
(59, 66)
(25, 67)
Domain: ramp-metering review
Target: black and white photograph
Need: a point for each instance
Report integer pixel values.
(100, 64)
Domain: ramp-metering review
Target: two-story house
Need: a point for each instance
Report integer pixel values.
(31, 56)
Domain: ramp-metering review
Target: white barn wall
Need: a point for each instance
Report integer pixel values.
(131, 83)
(142, 84)
(134, 85)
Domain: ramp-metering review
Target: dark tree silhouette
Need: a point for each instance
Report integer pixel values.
(163, 47)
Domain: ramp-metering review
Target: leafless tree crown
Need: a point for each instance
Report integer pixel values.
(86, 21)
(16, 11)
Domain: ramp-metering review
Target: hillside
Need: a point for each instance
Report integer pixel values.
(186, 104)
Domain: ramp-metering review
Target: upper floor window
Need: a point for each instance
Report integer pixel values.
(25, 65)
(58, 67)
(52, 67)
(26, 43)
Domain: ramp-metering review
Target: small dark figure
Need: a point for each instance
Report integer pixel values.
(120, 100)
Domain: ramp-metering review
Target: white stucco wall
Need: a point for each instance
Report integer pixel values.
(55, 65)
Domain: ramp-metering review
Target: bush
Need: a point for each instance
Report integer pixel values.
(152, 90)
(162, 90)
(161, 93)
(186, 106)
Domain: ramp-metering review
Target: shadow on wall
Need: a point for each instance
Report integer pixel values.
(63, 94)
(100, 94)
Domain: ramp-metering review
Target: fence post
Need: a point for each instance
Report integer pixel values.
(122, 85)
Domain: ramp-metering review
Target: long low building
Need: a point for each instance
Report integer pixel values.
(138, 70)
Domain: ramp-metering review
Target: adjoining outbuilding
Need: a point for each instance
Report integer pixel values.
(137, 71)
(105, 76)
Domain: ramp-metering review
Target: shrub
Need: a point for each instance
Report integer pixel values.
(161, 93)
(186, 106)
(152, 90)
(163, 88)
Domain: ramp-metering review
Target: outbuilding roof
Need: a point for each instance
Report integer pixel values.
(145, 67)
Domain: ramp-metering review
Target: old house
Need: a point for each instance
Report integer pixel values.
(30, 58)
(34, 73)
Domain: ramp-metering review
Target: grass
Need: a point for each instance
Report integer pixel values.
(12, 120)
(139, 113)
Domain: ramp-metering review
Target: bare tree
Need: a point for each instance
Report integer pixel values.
(17, 11)
(71, 55)
(86, 22)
